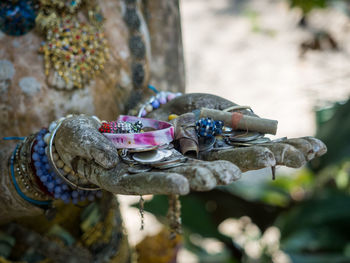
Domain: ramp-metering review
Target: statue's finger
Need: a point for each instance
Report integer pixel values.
(248, 158)
(200, 178)
(286, 154)
(319, 147)
(302, 145)
(224, 172)
(119, 181)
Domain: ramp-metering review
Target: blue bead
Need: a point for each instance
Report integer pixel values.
(41, 150)
(65, 187)
(82, 198)
(43, 179)
(50, 185)
(75, 201)
(47, 167)
(57, 195)
(39, 172)
(155, 104)
(99, 194)
(36, 147)
(58, 189)
(75, 194)
(58, 181)
(35, 156)
(41, 143)
(44, 159)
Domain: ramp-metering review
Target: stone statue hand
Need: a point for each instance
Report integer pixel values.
(290, 152)
(84, 149)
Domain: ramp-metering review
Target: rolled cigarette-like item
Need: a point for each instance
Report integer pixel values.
(239, 121)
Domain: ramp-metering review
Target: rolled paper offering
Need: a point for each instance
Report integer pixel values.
(239, 121)
(185, 134)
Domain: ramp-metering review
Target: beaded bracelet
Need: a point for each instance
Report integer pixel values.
(154, 102)
(58, 166)
(53, 182)
(40, 203)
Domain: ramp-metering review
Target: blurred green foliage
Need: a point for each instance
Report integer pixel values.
(307, 5)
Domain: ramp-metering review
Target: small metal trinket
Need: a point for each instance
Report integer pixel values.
(148, 157)
(166, 153)
(139, 168)
(206, 144)
(244, 136)
(221, 145)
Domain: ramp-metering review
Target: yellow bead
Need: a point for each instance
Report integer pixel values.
(172, 116)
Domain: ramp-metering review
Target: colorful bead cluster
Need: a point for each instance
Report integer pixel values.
(53, 183)
(76, 51)
(121, 127)
(17, 17)
(156, 101)
(207, 127)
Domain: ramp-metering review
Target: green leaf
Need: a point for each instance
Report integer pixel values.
(307, 5)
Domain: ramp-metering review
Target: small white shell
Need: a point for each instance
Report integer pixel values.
(66, 169)
(47, 138)
(52, 126)
(60, 164)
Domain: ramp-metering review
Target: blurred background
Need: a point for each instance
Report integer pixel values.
(290, 61)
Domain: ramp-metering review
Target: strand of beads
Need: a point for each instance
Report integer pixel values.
(155, 102)
(55, 185)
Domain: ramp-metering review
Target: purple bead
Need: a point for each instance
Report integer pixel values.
(143, 113)
(162, 100)
(171, 96)
(155, 104)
